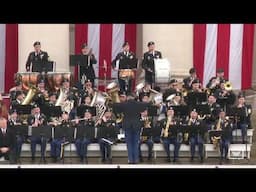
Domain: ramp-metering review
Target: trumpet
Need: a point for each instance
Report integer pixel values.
(228, 86)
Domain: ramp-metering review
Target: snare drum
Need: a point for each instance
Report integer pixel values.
(126, 74)
(27, 79)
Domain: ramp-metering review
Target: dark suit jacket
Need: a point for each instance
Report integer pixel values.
(42, 56)
(131, 110)
(7, 140)
(148, 60)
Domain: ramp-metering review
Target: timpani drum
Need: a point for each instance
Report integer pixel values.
(55, 79)
(126, 74)
(27, 79)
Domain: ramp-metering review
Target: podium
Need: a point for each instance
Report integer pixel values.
(162, 70)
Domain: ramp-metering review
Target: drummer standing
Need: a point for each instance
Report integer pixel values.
(148, 63)
(125, 85)
(36, 56)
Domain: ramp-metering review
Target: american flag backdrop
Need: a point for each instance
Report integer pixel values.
(8, 55)
(227, 46)
(106, 41)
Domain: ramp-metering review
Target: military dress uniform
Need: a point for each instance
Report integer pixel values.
(148, 140)
(41, 56)
(107, 136)
(37, 140)
(57, 142)
(148, 64)
(196, 137)
(120, 56)
(85, 136)
(171, 138)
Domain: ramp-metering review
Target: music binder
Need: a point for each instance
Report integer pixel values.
(147, 132)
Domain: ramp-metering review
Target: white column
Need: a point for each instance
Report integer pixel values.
(175, 41)
(54, 39)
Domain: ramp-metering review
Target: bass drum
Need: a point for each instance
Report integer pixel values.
(162, 70)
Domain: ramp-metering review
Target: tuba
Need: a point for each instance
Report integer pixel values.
(112, 90)
(30, 95)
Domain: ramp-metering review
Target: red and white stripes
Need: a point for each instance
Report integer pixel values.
(227, 46)
(8, 55)
(106, 41)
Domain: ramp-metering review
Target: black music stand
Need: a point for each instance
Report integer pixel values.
(85, 132)
(223, 101)
(51, 111)
(203, 109)
(181, 110)
(127, 63)
(42, 131)
(42, 66)
(81, 60)
(152, 110)
(195, 98)
(82, 109)
(147, 132)
(21, 130)
(67, 132)
(23, 109)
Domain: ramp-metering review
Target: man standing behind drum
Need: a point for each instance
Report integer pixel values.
(125, 54)
(36, 56)
(148, 63)
(87, 70)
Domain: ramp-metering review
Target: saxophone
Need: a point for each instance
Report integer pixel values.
(165, 131)
(216, 139)
(147, 125)
(186, 135)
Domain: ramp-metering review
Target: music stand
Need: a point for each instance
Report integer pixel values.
(195, 98)
(203, 109)
(223, 101)
(51, 111)
(85, 132)
(181, 110)
(82, 109)
(42, 131)
(21, 130)
(152, 110)
(127, 63)
(81, 60)
(42, 66)
(147, 132)
(23, 109)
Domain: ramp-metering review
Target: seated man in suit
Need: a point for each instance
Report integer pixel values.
(7, 139)
(36, 56)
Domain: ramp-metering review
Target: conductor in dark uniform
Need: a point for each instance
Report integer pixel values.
(116, 65)
(131, 125)
(148, 63)
(86, 69)
(36, 56)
